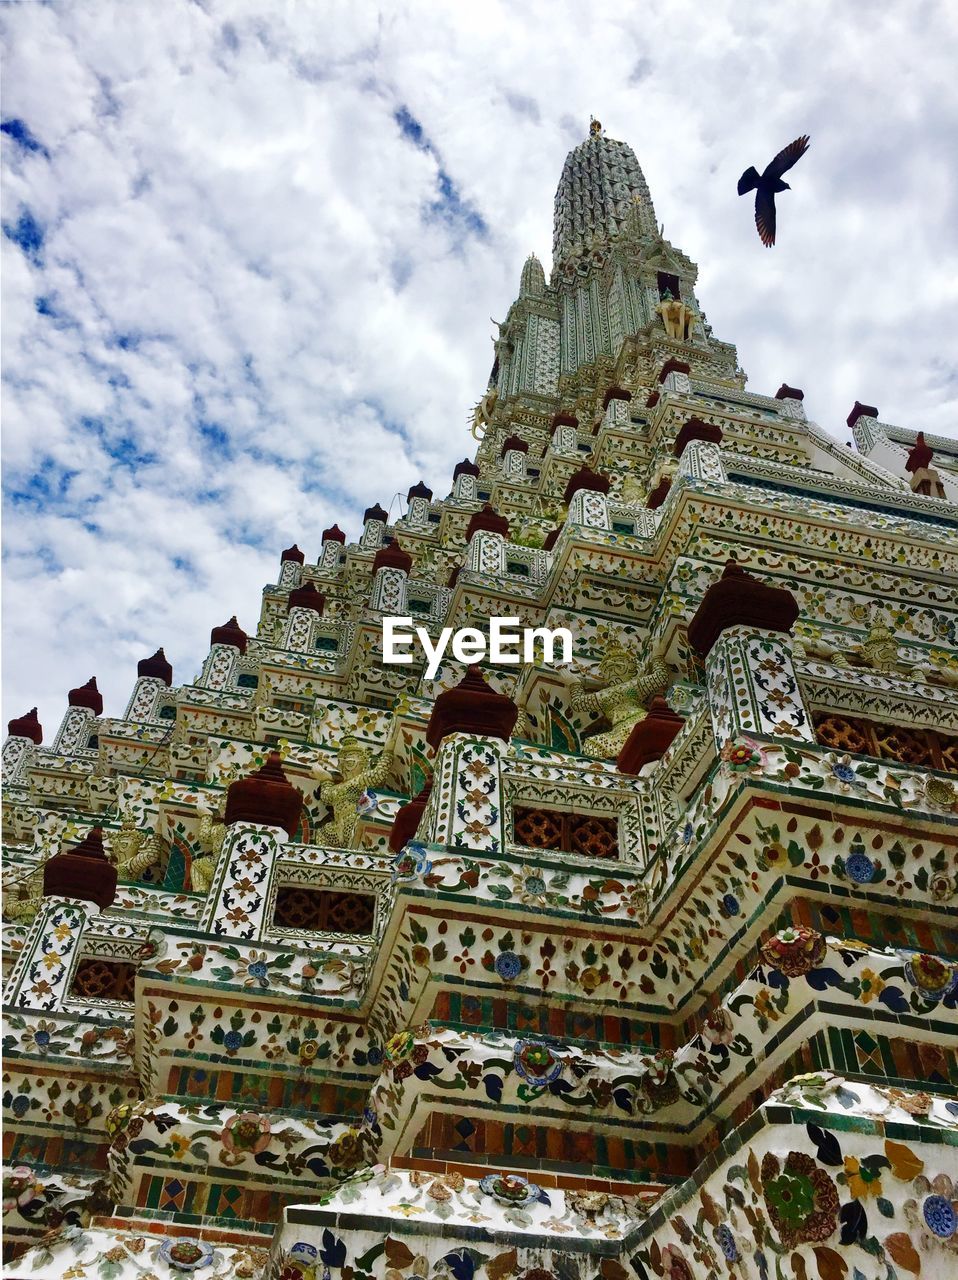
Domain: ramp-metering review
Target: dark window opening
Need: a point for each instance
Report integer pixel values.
(97, 979)
(483, 495)
(583, 833)
(167, 713)
(913, 747)
(668, 284)
(434, 517)
(247, 681)
(327, 644)
(420, 606)
(323, 910)
(93, 741)
(619, 526)
(291, 704)
(517, 568)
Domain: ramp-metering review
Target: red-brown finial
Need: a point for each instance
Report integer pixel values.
(265, 798)
(27, 726)
(87, 695)
(472, 707)
(230, 633)
(156, 666)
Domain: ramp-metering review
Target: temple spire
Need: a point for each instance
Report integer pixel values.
(601, 179)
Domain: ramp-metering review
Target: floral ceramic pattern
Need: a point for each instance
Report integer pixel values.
(533, 1065)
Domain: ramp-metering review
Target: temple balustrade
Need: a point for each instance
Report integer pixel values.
(546, 1222)
(806, 984)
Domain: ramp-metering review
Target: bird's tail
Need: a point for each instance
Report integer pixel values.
(748, 181)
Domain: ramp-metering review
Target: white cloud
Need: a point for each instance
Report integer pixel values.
(254, 321)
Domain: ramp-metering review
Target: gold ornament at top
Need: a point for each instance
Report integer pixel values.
(595, 127)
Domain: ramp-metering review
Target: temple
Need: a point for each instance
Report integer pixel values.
(642, 964)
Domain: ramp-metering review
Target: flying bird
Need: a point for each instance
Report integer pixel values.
(766, 186)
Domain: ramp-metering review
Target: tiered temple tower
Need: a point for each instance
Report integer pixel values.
(638, 965)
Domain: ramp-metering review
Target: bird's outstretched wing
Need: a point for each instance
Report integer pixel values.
(765, 216)
(787, 157)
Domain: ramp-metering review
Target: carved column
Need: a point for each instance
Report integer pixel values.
(305, 606)
(791, 400)
(587, 496)
(513, 452)
(466, 805)
(701, 460)
(464, 481)
(26, 734)
(418, 499)
(486, 536)
(753, 688)
(227, 644)
(618, 414)
(154, 675)
(333, 542)
(390, 580)
(77, 885)
(469, 727)
(674, 376)
(262, 812)
(742, 628)
(291, 567)
(85, 704)
(565, 440)
(374, 527)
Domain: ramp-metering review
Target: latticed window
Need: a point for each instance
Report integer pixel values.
(915, 747)
(98, 979)
(323, 910)
(586, 834)
(290, 704)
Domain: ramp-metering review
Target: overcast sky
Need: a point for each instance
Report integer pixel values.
(251, 252)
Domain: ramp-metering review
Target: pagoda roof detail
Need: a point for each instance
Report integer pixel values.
(87, 695)
(265, 798)
(27, 726)
(601, 186)
(156, 666)
(739, 600)
(472, 707)
(83, 872)
(230, 633)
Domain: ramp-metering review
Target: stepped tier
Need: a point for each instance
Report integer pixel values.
(655, 976)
